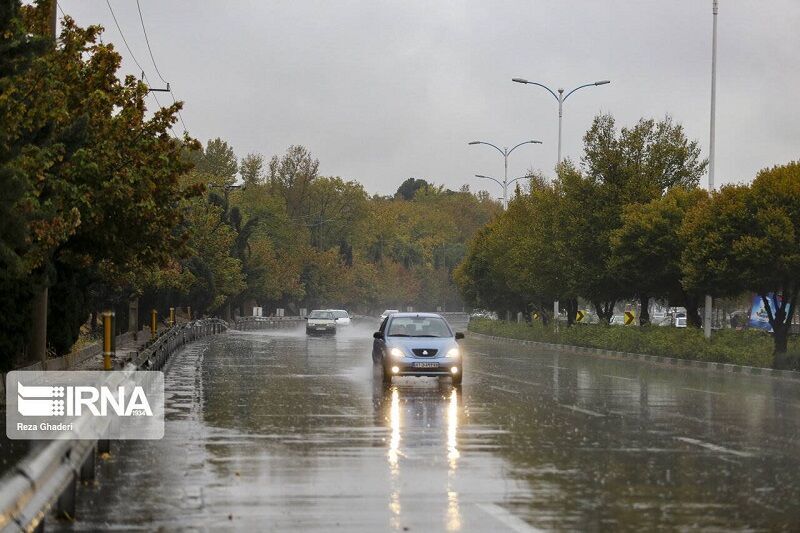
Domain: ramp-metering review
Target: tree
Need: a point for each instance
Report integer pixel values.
(409, 188)
(290, 177)
(646, 250)
(748, 238)
(252, 169)
(217, 162)
(634, 165)
(93, 182)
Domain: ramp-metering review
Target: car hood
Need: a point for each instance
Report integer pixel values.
(438, 343)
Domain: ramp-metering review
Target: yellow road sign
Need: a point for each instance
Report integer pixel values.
(536, 316)
(579, 316)
(629, 318)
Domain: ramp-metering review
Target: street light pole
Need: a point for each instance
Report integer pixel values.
(560, 98)
(505, 153)
(714, 10)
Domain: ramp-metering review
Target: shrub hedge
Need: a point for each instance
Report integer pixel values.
(747, 347)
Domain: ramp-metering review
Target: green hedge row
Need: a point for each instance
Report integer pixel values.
(750, 348)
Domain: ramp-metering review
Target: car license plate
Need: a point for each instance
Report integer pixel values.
(426, 365)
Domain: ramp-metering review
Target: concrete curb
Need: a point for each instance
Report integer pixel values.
(653, 359)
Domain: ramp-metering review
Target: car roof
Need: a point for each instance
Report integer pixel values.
(421, 315)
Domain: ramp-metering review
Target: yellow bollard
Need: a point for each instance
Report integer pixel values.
(108, 338)
(171, 316)
(153, 324)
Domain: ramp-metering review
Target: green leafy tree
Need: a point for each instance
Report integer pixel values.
(748, 238)
(646, 250)
(217, 162)
(93, 180)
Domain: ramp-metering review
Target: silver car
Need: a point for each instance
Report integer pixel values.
(417, 344)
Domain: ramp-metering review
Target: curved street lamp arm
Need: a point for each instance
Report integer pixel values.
(489, 144)
(524, 142)
(582, 86)
(500, 183)
(548, 89)
(520, 178)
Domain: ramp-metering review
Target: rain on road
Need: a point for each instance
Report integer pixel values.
(271, 430)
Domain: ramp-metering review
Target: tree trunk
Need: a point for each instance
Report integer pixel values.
(604, 310)
(692, 313)
(644, 311)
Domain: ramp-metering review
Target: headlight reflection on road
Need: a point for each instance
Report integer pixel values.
(393, 456)
(452, 429)
(453, 512)
(394, 423)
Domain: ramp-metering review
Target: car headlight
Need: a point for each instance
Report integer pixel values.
(396, 352)
(453, 352)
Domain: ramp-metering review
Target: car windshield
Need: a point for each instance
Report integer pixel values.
(414, 326)
(339, 313)
(321, 314)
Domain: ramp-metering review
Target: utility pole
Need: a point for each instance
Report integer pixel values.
(38, 347)
(715, 10)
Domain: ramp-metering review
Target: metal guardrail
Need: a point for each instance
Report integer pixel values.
(249, 323)
(46, 479)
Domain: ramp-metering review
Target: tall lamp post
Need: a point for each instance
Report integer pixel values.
(560, 98)
(504, 184)
(505, 152)
(714, 10)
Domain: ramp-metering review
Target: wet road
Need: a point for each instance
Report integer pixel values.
(271, 430)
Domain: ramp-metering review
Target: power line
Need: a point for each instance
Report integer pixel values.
(133, 56)
(155, 66)
(146, 40)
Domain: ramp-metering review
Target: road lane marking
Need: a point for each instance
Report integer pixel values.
(504, 390)
(704, 391)
(714, 447)
(500, 376)
(584, 411)
(509, 520)
(618, 377)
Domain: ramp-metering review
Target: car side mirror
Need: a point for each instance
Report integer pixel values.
(377, 335)
(459, 335)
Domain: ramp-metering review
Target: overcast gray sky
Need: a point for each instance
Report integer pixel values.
(383, 91)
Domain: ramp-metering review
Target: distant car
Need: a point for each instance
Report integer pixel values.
(341, 316)
(320, 321)
(680, 320)
(617, 320)
(417, 344)
(387, 313)
(484, 314)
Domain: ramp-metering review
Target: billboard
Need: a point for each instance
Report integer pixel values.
(758, 312)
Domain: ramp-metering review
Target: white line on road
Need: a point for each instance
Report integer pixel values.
(704, 391)
(504, 390)
(512, 522)
(584, 411)
(619, 377)
(714, 447)
(500, 376)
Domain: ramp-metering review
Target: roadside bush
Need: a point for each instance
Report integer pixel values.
(750, 348)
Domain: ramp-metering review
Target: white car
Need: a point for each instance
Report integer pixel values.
(320, 321)
(341, 316)
(387, 313)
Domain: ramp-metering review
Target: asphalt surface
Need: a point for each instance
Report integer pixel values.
(271, 430)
